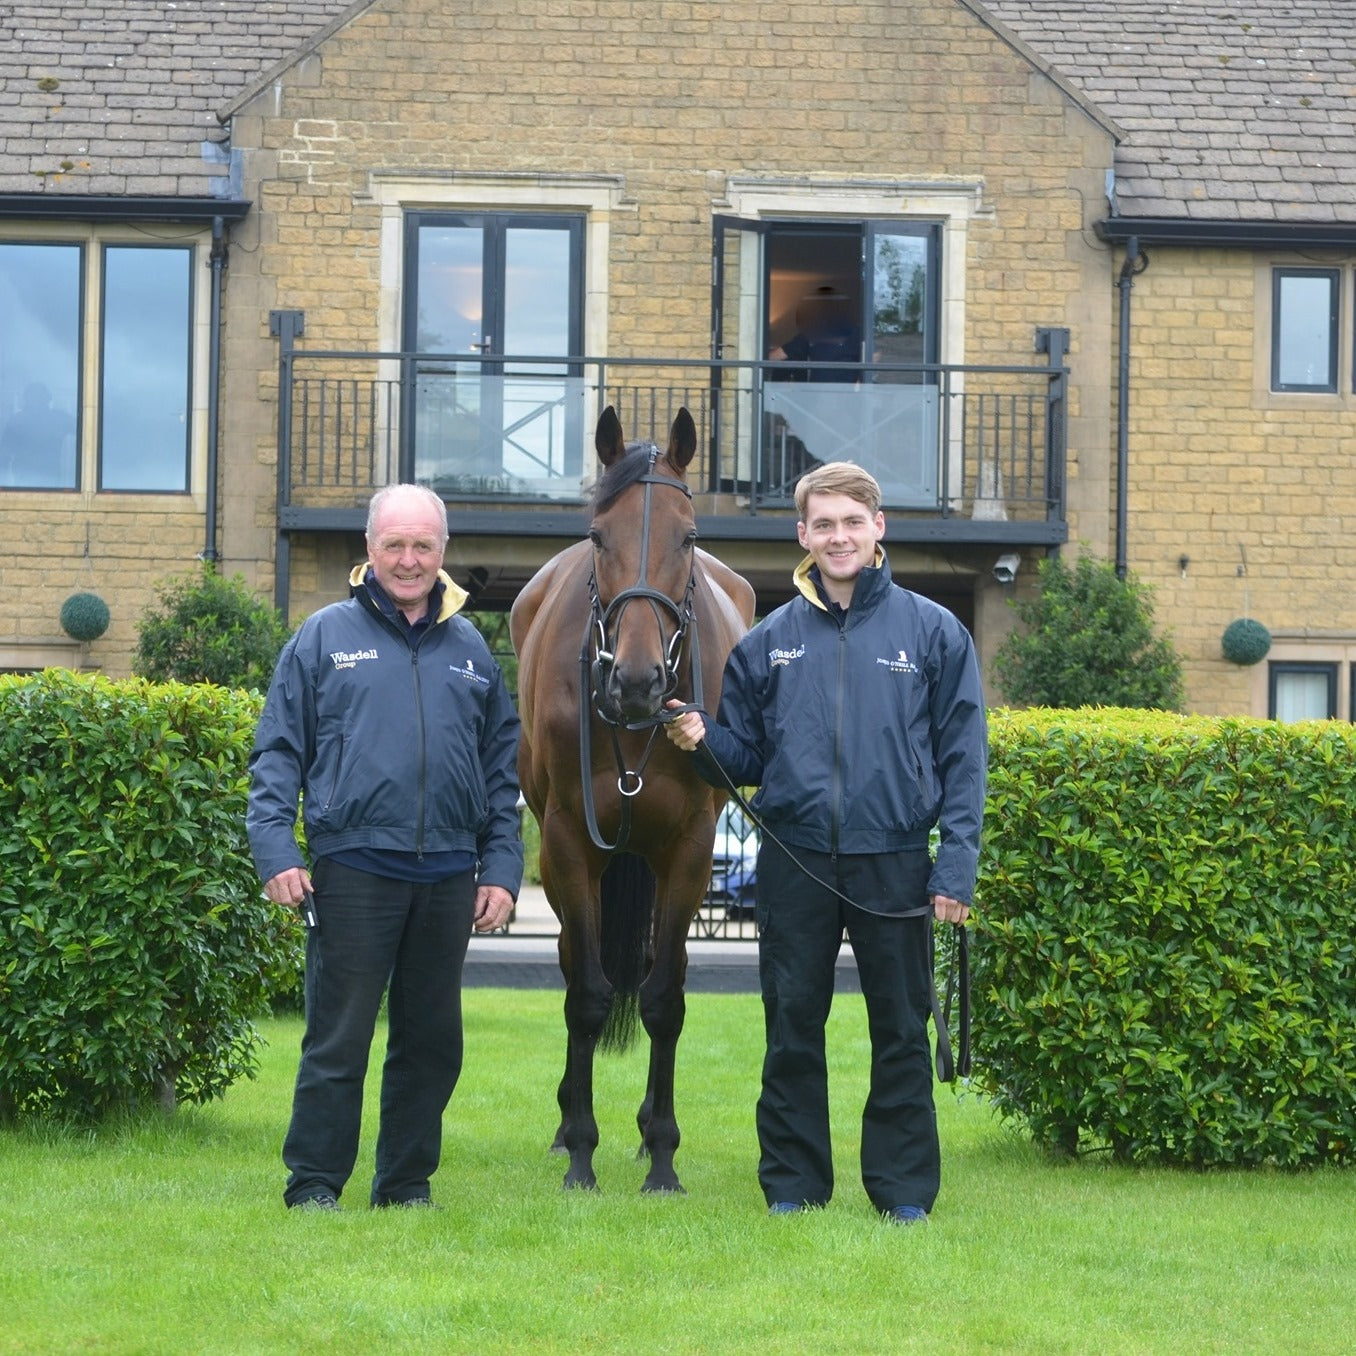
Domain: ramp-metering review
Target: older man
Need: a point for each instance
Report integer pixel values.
(388, 716)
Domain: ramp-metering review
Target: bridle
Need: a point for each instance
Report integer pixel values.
(596, 658)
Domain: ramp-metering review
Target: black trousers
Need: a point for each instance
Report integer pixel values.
(801, 925)
(377, 933)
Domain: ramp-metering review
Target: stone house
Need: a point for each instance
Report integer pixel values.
(1066, 276)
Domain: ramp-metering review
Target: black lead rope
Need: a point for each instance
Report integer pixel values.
(958, 966)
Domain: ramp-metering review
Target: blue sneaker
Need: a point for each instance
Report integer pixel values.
(785, 1208)
(906, 1214)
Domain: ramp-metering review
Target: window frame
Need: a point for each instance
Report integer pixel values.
(105, 246)
(1280, 668)
(1280, 274)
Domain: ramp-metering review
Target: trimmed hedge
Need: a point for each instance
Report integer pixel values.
(1165, 964)
(135, 944)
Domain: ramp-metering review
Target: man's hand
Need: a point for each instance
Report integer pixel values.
(949, 910)
(493, 906)
(687, 730)
(289, 887)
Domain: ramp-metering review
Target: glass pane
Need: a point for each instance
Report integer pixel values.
(144, 394)
(536, 291)
(450, 289)
(899, 301)
(1304, 332)
(1302, 696)
(39, 365)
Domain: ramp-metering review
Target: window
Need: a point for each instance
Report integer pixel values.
(495, 284)
(121, 311)
(144, 395)
(848, 313)
(1302, 691)
(41, 287)
(1304, 309)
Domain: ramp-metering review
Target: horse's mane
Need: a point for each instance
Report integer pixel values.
(637, 461)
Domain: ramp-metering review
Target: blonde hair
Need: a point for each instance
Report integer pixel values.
(838, 477)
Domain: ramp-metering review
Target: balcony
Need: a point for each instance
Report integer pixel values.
(962, 453)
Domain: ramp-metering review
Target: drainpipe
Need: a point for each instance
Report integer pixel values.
(1135, 264)
(209, 551)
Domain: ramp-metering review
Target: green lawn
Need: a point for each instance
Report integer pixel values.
(156, 1236)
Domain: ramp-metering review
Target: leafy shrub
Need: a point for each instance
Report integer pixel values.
(1087, 639)
(1164, 962)
(135, 944)
(209, 629)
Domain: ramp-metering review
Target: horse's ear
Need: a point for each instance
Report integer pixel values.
(682, 440)
(608, 438)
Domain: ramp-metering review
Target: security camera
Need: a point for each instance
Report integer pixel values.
(1005, 567)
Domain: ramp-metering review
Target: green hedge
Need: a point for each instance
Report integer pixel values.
(1164, 963)
(135, 944)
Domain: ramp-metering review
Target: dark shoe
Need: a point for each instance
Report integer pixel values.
(906, 1214)
(785, 1208)
(321, 1201)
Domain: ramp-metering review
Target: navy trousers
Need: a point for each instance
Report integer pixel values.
(801, 926)
(377, 935)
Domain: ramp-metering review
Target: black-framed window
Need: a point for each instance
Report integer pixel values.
(494, 298)
(145, 387)
(143, 402)
(1304, 310)
(42, 288)
(1299, 690)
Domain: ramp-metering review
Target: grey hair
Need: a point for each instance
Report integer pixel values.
(432, 497)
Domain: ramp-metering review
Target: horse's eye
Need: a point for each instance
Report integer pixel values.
(596, 538)
(691, 539)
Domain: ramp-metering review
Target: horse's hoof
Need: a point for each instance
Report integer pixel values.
(674, 1188)
(579, 1183)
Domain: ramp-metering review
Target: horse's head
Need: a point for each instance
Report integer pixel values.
(644, 546)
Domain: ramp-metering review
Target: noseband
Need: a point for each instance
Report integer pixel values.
(596, 658)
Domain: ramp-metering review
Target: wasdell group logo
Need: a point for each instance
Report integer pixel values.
(468, 671)
(899, 663)
(782, 658)
(348, 659)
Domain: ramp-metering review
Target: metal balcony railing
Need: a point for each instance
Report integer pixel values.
(943, 440)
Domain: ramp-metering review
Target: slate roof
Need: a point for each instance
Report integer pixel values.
(138, 85)
(1232, 110)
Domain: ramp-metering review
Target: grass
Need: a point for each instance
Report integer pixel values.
(168, 1235)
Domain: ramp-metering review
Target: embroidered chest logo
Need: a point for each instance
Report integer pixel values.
(782, 658)
(900, 663)
(348, 659)
(468, 671)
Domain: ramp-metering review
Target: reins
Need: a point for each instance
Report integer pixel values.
(957, 989)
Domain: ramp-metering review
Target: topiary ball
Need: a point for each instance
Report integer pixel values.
(84, 616)
(1246, 641)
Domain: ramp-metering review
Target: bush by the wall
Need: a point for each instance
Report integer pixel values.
(206, 628)
(1087, 639)
(1165, 963)
(135, 944)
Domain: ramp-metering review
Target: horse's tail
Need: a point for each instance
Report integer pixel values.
(628, 890)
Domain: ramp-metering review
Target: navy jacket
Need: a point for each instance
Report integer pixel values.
(861, 730)
(391, 747)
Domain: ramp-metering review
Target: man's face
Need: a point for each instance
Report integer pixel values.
(841, 535)
(406, 551)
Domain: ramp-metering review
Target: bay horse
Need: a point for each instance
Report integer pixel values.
(605, 632)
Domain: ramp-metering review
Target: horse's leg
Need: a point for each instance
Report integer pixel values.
(662, 1009)
(563, 1102)
(588, 999)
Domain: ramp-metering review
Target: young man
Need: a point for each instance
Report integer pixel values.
(857, 711)
(388, 712)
